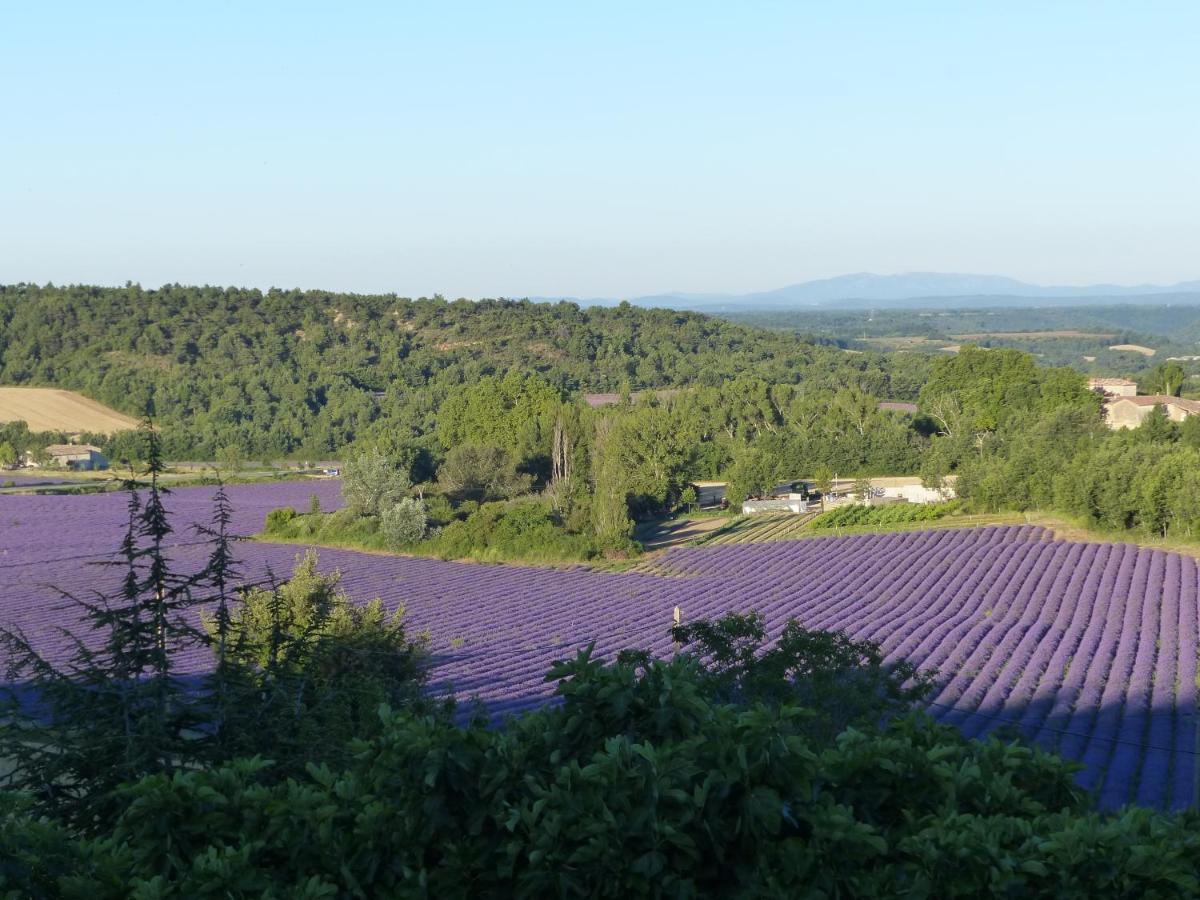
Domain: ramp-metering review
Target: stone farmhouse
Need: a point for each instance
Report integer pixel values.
(1129, 412)
(82, 457)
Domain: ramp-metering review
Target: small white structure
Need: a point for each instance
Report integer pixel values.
(775, 505)
(909, 489)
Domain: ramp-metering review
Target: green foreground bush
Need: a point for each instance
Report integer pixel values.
(645, 781)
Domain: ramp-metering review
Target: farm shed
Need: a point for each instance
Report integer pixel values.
(775, 505)
(1129, 412)
(76, 456)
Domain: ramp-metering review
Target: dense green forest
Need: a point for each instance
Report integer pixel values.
(286, 373)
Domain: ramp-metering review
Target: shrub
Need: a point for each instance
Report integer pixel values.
(516, 530)
(311, 667)
(405, 523)
(439, 510)
(372, 483)
(277, 519)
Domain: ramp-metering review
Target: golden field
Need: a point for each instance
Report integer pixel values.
(51, 409)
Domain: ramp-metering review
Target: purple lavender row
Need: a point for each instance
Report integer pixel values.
(1045, 621)
(1183, 774)
(1101, 747)
(1127, 756)
(1038, 719)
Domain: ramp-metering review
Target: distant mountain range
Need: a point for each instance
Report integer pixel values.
(915, 290)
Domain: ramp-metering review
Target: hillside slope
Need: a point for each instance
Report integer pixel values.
(289, 371)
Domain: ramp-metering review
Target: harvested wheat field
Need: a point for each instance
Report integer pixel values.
(51, 409)
(1134, 348)
(1031, 335)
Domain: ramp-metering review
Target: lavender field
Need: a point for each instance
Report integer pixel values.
(1089, 649)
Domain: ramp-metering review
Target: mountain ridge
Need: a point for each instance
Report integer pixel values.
(911, 290)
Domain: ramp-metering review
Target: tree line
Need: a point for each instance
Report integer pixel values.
(1024, 438)
(516, 468)
(305, 373)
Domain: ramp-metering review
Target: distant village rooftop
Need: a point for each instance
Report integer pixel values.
(57, 450)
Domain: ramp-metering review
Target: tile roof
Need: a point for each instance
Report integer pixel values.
(70, 449)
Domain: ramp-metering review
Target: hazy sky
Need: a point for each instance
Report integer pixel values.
(599, 150)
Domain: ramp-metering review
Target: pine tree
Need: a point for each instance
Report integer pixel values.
(218, 577)
(118, 708)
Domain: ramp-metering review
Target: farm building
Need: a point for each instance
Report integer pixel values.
(76, 456)
(897, 489)
(776, 505)
(909, 489)
(1129, 412)
(1113, 387)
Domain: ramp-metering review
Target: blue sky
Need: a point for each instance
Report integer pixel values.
(596, 149)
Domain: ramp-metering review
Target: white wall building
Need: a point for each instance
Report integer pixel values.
(776, 505)
(76, 456)
(909, 489)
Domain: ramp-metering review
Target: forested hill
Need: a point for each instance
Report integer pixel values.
(310, 371)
